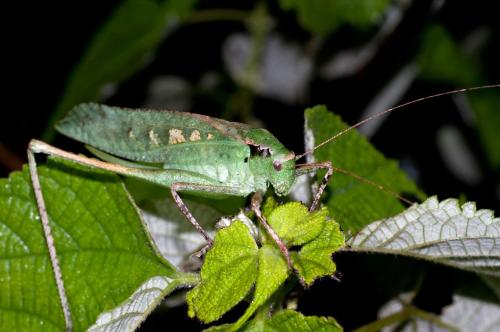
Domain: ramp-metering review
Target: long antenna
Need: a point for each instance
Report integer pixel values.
(342, 132)
(373, 183)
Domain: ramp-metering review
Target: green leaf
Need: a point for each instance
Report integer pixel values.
(234, 263)
(441, 232)
(441, 59)
(295, 225)
(350, 201)
(103, 248)
(325, 16)
(292, 321)
(119, 49)
(273, 271)
(314, 260)
(229, 271)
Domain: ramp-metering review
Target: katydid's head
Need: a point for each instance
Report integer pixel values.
(282, 174)
(271, 160)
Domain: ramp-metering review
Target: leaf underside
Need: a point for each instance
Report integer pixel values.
(441, 232)
(111, 56)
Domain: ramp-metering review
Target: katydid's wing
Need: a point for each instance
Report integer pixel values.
(147, 135)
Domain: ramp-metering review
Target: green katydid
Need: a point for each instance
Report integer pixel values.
(185, 152)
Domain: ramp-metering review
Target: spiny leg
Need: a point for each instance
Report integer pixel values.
(256, 202)
(312, 167)
(42, 210)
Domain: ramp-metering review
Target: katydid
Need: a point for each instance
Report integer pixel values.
(185, 152)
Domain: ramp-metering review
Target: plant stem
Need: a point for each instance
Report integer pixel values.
(406, 313)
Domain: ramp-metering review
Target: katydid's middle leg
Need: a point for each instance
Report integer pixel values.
(184, 186)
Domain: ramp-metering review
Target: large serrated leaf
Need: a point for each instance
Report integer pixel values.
(119, 49)
(442, 232)
(103, 248)
(351, 202)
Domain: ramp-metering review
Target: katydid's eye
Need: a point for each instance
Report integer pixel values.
(277, 165)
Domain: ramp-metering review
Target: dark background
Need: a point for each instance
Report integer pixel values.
(44, 41)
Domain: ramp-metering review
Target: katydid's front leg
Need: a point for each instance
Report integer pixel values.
(302, 169)
(313, 167)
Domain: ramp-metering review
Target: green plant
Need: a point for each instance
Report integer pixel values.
(125, 249)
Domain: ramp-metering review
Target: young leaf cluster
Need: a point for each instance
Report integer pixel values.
(236, 263)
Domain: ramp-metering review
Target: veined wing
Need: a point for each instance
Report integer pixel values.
(148, 135)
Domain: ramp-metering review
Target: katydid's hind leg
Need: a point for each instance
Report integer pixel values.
(42, 210)
(256, 202)
(309, 168)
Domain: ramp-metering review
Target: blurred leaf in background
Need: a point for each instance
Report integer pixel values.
(124, 44)
(441, 59)
(324, 16)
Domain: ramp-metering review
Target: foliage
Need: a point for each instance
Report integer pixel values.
(103, 248)
(351, 201)
(235, 263)
(112, 56)
(122, 245)
(324, 16)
